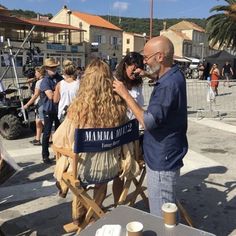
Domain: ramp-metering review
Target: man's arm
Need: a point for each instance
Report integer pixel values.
(119, 88)
(222, 73)
(56, 97)
(49, 94)
(232, 72)
(45, 87)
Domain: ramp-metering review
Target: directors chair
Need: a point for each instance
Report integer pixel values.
(100, 140)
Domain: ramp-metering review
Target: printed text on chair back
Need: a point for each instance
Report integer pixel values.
(103, 139)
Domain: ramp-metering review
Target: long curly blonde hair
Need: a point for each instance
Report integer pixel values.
(96, 104)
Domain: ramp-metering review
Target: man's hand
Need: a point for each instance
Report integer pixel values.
(138, 111)
(25, 107)
(120, 89)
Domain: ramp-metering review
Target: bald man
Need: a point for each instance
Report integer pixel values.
(165, 122)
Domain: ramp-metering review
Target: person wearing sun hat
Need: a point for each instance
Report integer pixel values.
(50, 109)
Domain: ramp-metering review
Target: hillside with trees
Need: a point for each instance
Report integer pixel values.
(28, 14)
(141, 25)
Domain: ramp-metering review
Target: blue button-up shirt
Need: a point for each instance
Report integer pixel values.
(49, 83)
(165, 141)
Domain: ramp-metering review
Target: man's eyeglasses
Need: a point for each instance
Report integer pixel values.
(146, 58)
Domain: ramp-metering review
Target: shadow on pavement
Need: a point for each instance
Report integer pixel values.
(46, 222)
(21, 188)
(210, 204)
(207, 202)
(29, 168)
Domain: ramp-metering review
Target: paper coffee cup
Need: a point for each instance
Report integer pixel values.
(169, 214)
(134, 228)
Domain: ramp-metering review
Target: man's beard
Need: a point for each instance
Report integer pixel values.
(153, 69)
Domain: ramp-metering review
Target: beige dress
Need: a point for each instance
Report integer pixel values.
(94, 167)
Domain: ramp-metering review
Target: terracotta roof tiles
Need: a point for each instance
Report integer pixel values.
(30, 22)
(95, 20)
(187, 25)
(50, 24)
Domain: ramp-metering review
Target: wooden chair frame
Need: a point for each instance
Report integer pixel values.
(80, 193)
(130, 199)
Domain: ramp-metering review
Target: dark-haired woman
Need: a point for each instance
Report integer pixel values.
(130, 71)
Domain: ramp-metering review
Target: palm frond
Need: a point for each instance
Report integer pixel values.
(221, 27)
(220, 8)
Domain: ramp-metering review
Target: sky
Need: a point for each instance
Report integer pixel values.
(123, 8)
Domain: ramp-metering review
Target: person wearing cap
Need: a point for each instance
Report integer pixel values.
(50, 108)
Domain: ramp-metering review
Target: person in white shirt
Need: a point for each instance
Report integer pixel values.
(66, 89)
(35, 99)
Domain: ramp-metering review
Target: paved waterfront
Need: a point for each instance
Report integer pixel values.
(29, 204)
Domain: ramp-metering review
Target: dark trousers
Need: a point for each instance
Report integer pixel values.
(48, 122)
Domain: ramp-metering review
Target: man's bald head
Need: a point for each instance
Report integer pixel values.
(161, 44)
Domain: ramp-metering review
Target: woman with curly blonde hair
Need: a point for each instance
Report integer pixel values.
(95, 106)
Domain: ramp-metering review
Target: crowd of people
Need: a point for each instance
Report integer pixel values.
(211, 73)
(107, 99)
(52, 94)
(101, 98)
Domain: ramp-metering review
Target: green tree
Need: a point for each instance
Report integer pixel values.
(221, 26)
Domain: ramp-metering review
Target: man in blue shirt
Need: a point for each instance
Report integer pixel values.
(50, 110)
(165, 122)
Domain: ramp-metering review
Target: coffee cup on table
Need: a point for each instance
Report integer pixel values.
(169, 214)
(134, 228)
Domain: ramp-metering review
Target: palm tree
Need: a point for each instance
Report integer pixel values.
(221, 27)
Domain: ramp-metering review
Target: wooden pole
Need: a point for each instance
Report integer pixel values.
(151, 18)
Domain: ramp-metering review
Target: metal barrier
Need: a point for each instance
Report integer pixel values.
(201, 103)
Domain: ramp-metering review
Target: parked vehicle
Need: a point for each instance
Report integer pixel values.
(11, 115)
(194, 63)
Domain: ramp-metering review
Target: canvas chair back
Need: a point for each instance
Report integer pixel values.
(96, 140)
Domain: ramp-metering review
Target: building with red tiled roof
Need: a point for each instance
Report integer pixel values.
(182, 43)
(103, 38)
(51, 25)
(95, 20)
(53, 40)
(187, 25)
(189, 39)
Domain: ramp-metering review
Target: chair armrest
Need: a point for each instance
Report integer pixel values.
(68, 153)
(64, 151)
